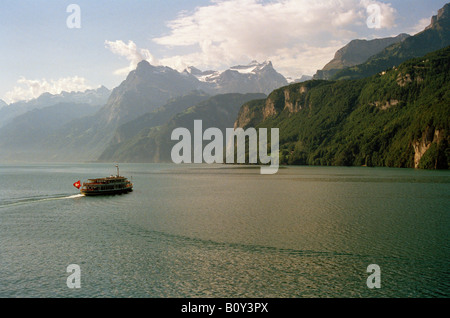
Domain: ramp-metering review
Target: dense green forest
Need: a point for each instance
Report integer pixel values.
(396, 118)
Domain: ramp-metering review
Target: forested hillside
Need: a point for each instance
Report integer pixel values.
(396, 118)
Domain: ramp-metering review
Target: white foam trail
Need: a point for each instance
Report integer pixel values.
(62, 198)
(25, 201)
(74, 196)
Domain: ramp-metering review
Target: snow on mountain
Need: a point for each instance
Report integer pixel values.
(251, 78)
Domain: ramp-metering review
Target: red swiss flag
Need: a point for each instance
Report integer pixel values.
(77, 184)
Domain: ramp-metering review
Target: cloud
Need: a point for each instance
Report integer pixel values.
(386, 12)
(420, 26)
(131, 52)
(29, 89)
(288, 31)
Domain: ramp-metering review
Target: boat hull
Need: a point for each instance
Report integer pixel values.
(105, 192)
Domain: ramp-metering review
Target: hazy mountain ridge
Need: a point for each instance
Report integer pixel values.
(354, 53)
(26, 132)
(92, 97)
(154, 144)
(303, 78)
(156, 118)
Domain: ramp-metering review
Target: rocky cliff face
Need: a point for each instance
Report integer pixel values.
(248, 115)
(441, 18)
(290, 99)
(429, 137)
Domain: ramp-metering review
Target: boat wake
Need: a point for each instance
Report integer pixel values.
(36, 199)
(74, 196)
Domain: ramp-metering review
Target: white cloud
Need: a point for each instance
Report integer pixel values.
(386, 11)
(297, 35)
(29, 89)
(420, 26)
(131, 52)
(303, 59)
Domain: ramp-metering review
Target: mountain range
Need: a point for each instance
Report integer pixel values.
(92, 97)
(144, 92)
(377, 103)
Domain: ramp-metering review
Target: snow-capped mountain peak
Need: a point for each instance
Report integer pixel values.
(253, 77)
(252, 68)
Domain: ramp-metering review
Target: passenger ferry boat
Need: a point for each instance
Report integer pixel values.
(107, 186)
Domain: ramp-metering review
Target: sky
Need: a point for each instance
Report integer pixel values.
(53, 46)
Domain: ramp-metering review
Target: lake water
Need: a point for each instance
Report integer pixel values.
(225, 231)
